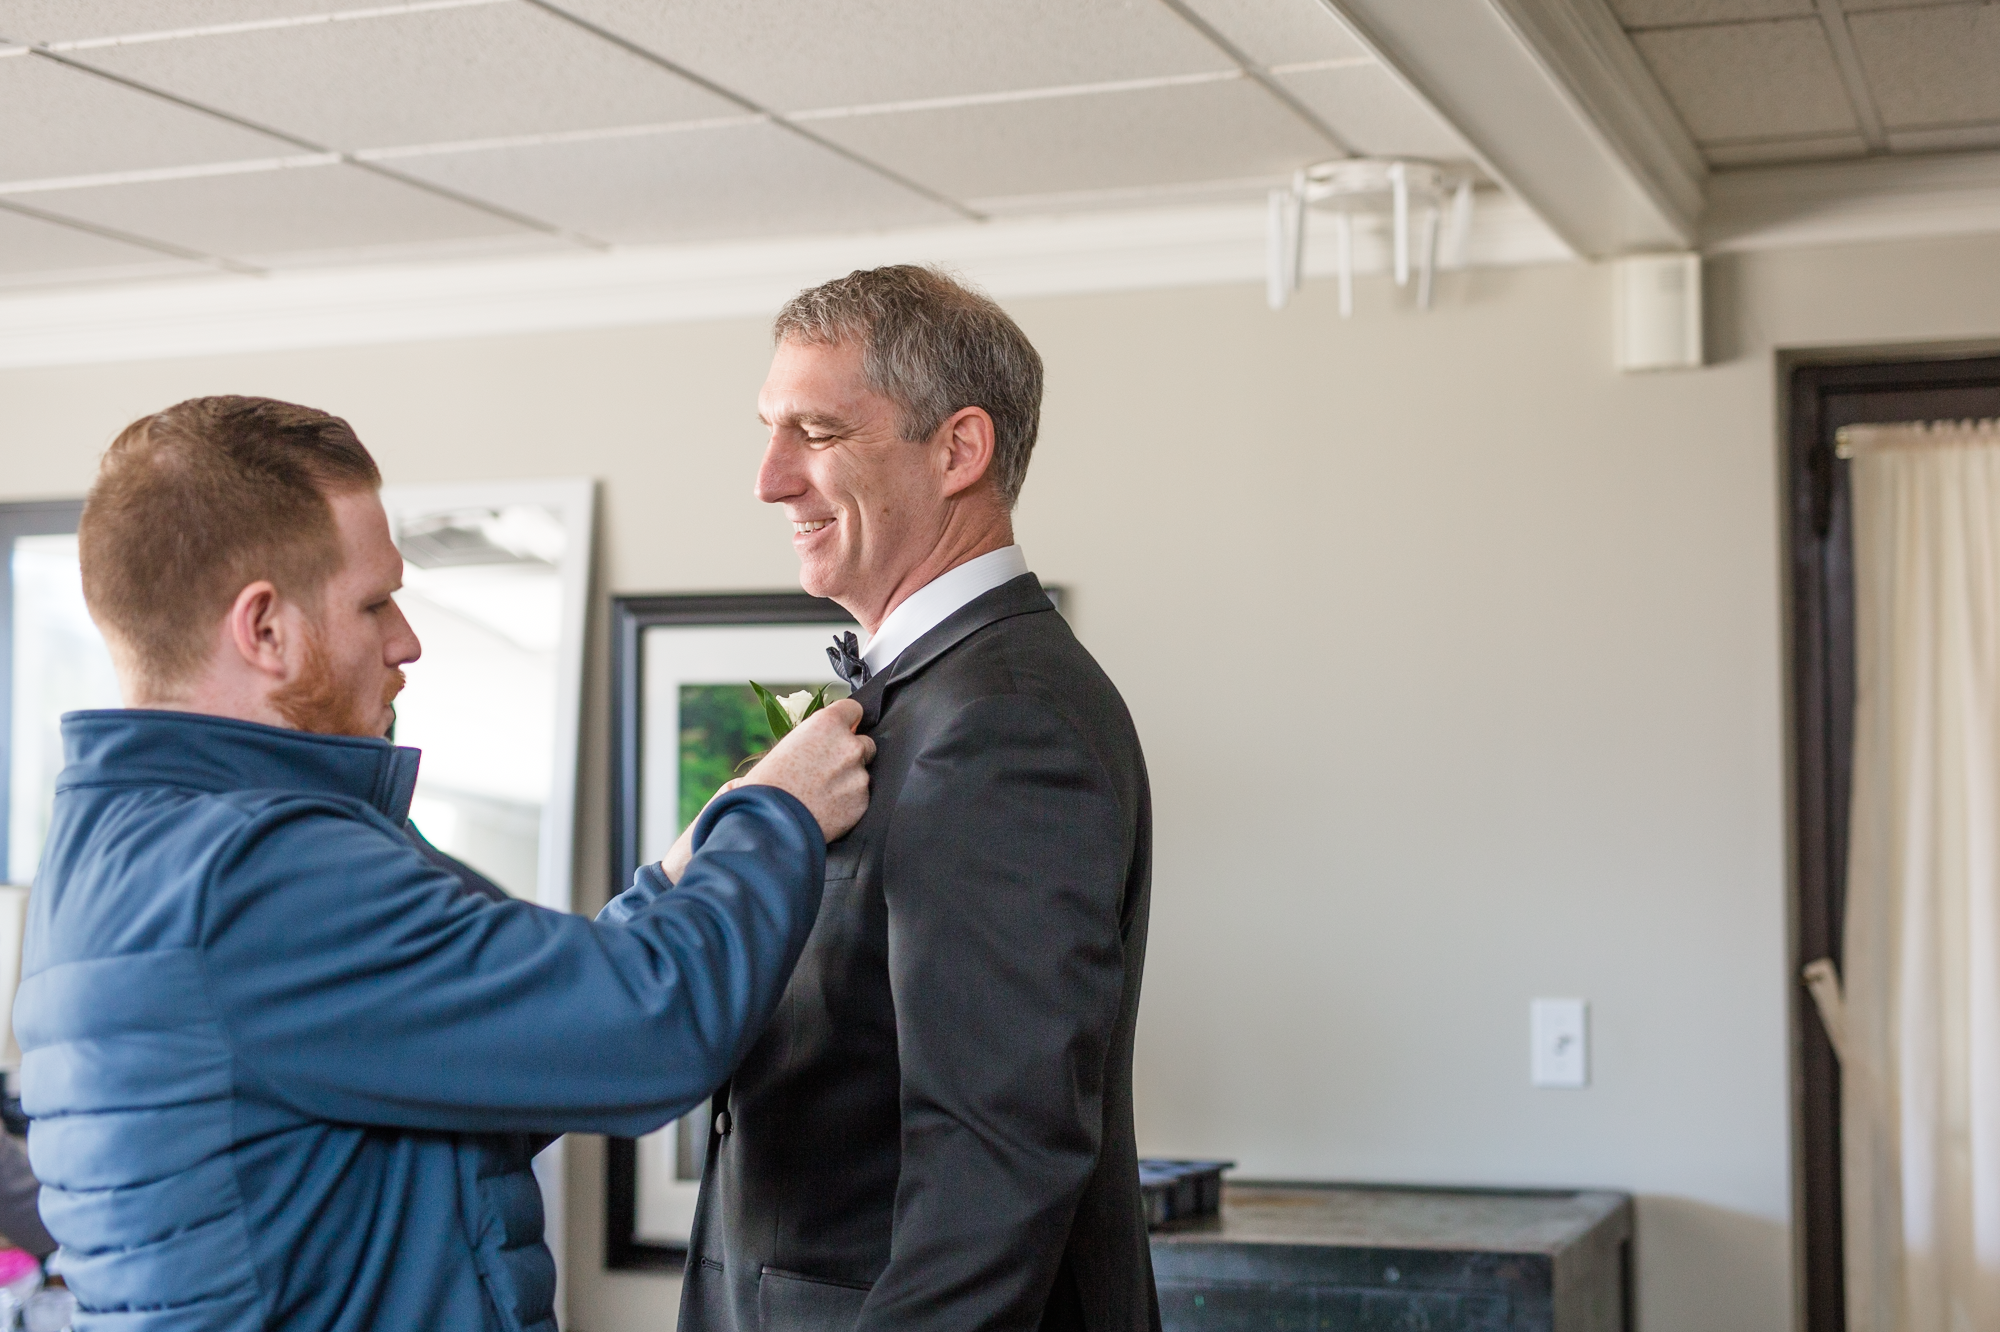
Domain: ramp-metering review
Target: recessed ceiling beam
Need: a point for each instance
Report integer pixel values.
(1560, 109)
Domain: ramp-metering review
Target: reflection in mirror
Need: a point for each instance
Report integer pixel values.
(494, 583)
(59, 665)
(482, 591)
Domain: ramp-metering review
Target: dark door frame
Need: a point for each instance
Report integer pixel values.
(1820, 392)
(29, 518)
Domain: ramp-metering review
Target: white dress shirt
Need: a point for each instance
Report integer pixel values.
(933, 603)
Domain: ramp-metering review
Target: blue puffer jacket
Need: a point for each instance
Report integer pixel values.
(284, 1073)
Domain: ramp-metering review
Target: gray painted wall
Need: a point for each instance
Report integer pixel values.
(1457, 656)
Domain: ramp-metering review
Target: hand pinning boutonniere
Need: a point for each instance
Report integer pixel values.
(786, 711)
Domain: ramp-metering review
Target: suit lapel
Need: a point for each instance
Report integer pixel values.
(1020, 596)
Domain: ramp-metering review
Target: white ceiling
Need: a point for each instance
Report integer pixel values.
(1778, 81)
(570, 151)
(152, 137)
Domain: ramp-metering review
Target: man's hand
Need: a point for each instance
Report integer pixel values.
(822, 762)
(825, 764)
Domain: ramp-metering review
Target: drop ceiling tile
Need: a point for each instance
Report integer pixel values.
(64, 123)
(1281, 32)
(1750, 80)
(1858, 6)
(31, 248)
(1932, 67)
(69, 20)
(1376, 115)
(749, 180)
(311, 209)
(1673, 13)
(437, 76)
(794, 55)
(1771, 152)
(1166, 136)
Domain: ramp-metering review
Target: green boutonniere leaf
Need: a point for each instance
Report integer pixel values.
(774, 712)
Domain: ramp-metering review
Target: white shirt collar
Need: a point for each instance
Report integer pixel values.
(933, 603)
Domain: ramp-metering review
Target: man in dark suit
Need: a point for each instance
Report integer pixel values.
(935, 1131)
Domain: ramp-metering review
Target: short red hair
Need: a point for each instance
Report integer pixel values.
(193, 504)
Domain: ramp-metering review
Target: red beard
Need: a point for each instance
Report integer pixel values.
(320, 702)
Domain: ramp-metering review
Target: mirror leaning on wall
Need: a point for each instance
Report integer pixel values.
(496, 584)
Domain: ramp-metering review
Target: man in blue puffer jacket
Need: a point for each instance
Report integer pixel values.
(283, 1072)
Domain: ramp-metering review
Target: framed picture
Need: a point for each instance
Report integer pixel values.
(684, 719)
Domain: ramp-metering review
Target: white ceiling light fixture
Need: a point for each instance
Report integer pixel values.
(1406, 192)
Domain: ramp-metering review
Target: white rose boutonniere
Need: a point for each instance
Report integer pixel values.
(786, 711)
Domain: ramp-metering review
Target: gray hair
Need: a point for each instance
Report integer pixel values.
(931, 345)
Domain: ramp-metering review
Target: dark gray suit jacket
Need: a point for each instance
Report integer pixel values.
(935, 1131)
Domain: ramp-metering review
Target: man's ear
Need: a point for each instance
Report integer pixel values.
(967, 438)
(256, 628)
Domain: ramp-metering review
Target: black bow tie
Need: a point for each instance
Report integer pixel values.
(845, 654)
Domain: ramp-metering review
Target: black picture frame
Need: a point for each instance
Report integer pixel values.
(631, 617)
(1823, 391)
(19, 519)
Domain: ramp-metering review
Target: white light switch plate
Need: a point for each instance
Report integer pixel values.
(1559, 1053)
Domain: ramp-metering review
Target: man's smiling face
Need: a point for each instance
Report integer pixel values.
(866, 505)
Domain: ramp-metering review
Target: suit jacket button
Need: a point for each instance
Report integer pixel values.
(722, 1123)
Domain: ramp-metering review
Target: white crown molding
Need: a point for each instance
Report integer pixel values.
(1558, 107)
(1839, 203)
(1114, 251)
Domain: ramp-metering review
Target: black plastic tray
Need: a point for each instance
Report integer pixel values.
(1176, 1190)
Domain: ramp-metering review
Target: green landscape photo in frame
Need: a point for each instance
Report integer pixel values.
(722, 729)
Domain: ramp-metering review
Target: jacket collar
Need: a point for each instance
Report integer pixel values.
(1020, 596)
(139, 747)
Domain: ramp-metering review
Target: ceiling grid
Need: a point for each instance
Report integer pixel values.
(269, 135)
(1853, 77)
(1782, 82)
(174, 138)
(1267, 79)
(318, 154)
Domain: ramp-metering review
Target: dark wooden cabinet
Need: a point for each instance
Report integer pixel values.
(1343, 1258)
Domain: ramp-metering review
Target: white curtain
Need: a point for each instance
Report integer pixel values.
(1920, 1113)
